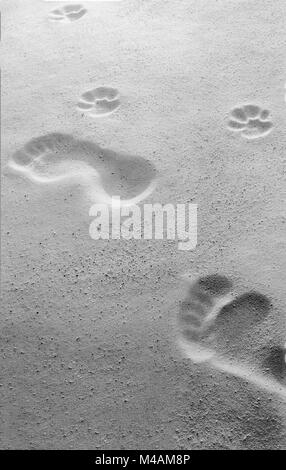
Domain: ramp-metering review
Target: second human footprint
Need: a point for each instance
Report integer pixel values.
(225, 330)
(100, 101)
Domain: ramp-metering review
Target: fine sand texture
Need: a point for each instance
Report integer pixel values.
(134, 344)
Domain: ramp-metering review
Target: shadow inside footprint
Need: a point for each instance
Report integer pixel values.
(236, 321)
(274, 362)
(246, 310)
(55, 156)
(214, 284)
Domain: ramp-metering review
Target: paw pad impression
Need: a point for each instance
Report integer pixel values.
(251, 121)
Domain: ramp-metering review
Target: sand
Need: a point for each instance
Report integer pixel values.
(165, 101)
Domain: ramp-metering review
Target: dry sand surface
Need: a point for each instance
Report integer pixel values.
(136, 344)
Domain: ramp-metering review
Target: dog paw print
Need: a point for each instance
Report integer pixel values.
(100, 101)
(67, 13)
(251, 121)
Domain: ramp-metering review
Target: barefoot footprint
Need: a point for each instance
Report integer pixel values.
(251, 121)
(215, 326)
(60, 158)
(100, 101)
(67, 13)
(198, 311)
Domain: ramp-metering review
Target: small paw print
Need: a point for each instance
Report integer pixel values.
(100, 101)
(67, 13)
(251, 121)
